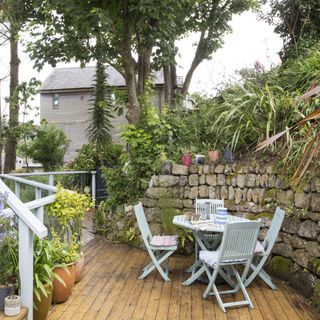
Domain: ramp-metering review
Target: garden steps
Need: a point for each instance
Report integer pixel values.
(21, 316)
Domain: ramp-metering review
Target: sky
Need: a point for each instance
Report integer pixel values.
(251, 40)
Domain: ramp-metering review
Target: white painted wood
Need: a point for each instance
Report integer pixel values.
(17, 189)
(51, 182)
(39, 211)
(30, 174)
(29, 182)
(26, 266)
(23, 212)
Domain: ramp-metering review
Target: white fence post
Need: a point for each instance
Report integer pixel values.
(17, 189)
(26, 266)
(93, 187)
(51, 182)
(39, 211)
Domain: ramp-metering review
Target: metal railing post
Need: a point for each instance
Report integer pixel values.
(26, 266)
(93, 187)
(39, 211)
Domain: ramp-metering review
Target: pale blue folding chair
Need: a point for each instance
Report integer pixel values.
(263, 251)
(160, 248)
(237, 248)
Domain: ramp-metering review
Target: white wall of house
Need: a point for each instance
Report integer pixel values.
(71, 115)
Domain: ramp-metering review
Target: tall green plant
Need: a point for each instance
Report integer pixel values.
(100, 113)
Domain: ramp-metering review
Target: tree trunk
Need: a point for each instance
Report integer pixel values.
(128, 64)
(11, 141)
(167, 84)
(143, 69)
(187, 81)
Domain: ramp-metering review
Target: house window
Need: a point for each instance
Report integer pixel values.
(55, 101)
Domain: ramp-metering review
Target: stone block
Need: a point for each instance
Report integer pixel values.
(309, 229)
(193, 180)
(271, 181)
(187, 203)
(221, 180)
(166, 167)
(234, 181)
(317, 185)
(282, 183)
(224, 192)
(301, 257)
(194, 192)
(183, 181)
(304, 282)
(285, 197)
(206, 169)
(241, 180)
(193, 168)
(238, 196)
(302, 200)
(298, 243)
(251, 180)
(219, 168)
(212, 193)
(227, 168)
(269, 168)
(282, 249)
(315, 202)
(202, 179)
(148, 202)
(281, 267)
(313, 249)
(290, 225)
(314, 216)
(155, 193)
(154, 181)
(203, 191)
(168, 181)
(314, 266)
(263, 180)
(211, 180)
(231, 193)
(178, 169)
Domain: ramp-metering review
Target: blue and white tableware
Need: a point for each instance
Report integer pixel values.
(221, 215)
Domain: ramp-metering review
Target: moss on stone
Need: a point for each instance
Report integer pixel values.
(281, 267)
(265, 215)
(314, 266)
(316, 294)
(251, 216)
(271, 193)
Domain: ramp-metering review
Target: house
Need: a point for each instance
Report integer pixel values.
(66, 95)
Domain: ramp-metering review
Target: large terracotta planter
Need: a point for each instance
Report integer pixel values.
(42, 306)
(79, 269)
(60, 292)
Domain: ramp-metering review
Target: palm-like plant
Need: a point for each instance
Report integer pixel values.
(311, 126)
(100, 112)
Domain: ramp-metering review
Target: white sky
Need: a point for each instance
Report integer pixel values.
(252, 40)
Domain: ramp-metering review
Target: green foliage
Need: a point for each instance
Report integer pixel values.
(43, 265)
(100, 113)
(8, 250)
(49, 146)
(87, 159)
(166, 211)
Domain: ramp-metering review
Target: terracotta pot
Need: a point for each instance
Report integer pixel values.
(41, 307)
(187, 160)
(60, 292)
(213, 155)
(79, 269)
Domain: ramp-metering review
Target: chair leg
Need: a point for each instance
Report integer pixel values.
(212, 278)
(194, 276)
(242, 288)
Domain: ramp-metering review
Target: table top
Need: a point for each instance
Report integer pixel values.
(205, 225)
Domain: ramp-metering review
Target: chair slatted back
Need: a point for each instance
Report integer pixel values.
(273, 231)
(239, 240)
(143, 224)
(214, 204)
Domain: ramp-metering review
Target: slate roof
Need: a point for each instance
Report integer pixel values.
(69, 79)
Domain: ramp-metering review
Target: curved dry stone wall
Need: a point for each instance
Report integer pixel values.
(254, 191)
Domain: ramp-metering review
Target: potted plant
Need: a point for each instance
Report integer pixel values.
(43, 275)
(186, 158)
(68, 209)
(66, 254)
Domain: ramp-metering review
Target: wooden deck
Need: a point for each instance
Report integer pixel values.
(110, 290)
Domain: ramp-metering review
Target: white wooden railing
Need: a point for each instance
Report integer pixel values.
(31, 223)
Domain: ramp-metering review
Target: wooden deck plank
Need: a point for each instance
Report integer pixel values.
(110, 290)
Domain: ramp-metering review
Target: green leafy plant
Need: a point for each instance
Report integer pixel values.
(43, 266)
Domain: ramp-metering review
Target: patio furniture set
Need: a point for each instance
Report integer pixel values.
(222, 244)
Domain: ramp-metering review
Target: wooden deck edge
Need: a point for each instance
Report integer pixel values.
(21, 316)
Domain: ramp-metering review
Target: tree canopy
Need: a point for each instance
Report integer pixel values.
(134, 36)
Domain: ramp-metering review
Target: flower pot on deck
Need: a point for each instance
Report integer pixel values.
(41, 307)
(61, 293)
(12, 305)
(79, 269)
